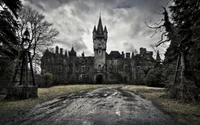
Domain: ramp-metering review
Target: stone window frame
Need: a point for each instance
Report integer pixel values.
(82, 68)
(99, 66)
(59, 68)
(88, 68)
(99, 51)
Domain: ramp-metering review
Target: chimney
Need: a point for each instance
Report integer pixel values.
(61, 51)
(66, 53)
(132, 55)
(56, 49)
(128, 55)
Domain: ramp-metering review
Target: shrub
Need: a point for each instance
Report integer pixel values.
(48, 78)
(154, 78)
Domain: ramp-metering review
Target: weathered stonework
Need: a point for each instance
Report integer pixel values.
(102, 68)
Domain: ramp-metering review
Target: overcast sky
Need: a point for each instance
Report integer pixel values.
(124, 19)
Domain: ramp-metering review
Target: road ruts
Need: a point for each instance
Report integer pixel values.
(102, 106)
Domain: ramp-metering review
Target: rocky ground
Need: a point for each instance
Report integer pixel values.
(102, 106)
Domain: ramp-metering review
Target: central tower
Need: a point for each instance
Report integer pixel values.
(100, 37)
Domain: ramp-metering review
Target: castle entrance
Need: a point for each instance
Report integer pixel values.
(99, 79)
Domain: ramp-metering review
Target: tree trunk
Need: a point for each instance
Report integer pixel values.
(188, 89)
(183, 80)
(174, 88)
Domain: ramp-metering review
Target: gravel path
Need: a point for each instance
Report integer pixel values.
(102, 106)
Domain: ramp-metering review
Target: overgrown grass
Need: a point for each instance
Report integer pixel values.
(44, 94)
(186, 113)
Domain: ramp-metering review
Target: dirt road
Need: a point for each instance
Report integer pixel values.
(102, 106)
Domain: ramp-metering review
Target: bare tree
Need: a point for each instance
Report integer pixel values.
(42, 33)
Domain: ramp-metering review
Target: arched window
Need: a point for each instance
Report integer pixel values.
(83, 69)
(88, 69)
(99, 51)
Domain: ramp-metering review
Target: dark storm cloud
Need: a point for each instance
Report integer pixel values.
(78, 44)
(125, 21)
(49, 3)
(143, 4)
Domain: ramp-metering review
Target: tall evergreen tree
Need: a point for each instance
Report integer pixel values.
(186, 19)
(8, 27)
(9, 42)
(182, 28)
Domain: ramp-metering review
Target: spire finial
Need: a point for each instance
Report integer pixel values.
(100, 27)
(72, 49)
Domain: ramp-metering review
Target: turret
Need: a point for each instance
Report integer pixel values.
(61, 51)
(94, 32)
(57, 49)
(132, 56)
(72, 53)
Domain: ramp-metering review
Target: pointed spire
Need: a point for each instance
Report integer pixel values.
(72, 52)
(72, 49)
(158, 56)
(94, 30)
(100, 26)
(105, 29)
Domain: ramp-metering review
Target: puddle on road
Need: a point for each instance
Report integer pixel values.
(87, 123)
(118, 113)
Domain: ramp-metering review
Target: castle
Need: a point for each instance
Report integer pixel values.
(102, 68)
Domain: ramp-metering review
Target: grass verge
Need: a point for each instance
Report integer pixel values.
(185, 113)
(44, 94)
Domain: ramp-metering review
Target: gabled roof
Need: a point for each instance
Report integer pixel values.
(114, 54)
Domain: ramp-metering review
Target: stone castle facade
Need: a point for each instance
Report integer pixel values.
(102, 67)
